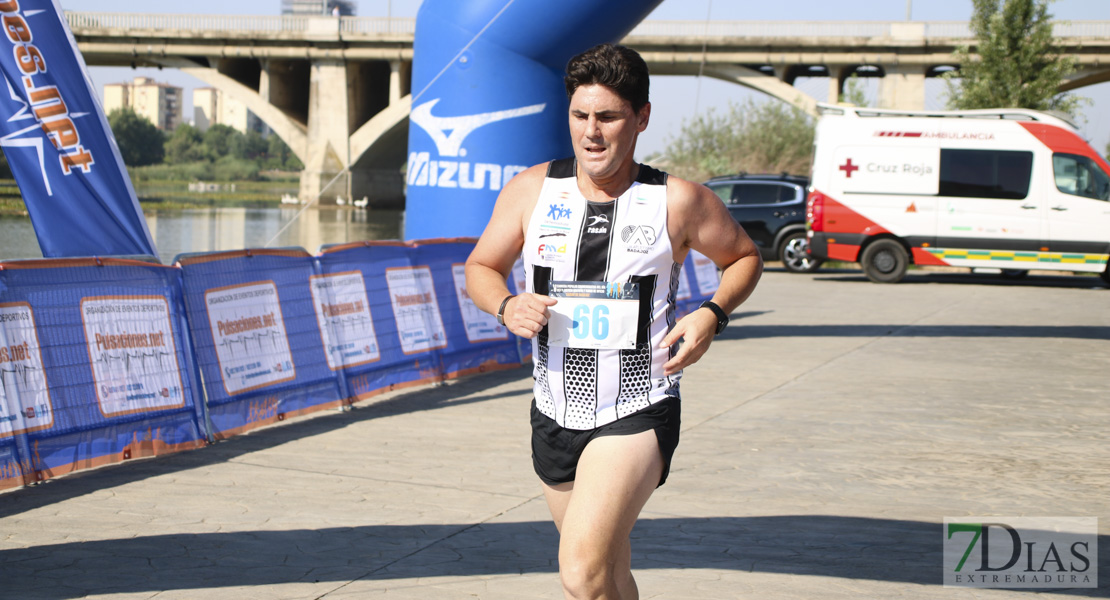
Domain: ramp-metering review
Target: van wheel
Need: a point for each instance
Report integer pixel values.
(1014, 273)
(885, 261)
(792, 253)
(1106, 275)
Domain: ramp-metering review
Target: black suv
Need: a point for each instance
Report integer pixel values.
(772, 209)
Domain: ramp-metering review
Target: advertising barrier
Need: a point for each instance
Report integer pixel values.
(476, 342)
(95, 366)
(256, 337)
(102, 360)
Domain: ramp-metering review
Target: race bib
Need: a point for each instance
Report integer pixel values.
(594, 314)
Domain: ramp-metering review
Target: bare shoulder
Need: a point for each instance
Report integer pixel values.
(503, 238)
(528, 180)
(690, 206)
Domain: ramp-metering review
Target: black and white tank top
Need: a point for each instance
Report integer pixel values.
(570, 239)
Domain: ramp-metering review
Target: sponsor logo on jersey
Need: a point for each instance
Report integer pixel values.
(595, 224)
(558, 212)
(552, 252)
(556, 219)
(639, 238)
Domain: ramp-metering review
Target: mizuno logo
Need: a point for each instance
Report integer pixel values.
(462, 126)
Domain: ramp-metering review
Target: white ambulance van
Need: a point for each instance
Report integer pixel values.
(1006, 189)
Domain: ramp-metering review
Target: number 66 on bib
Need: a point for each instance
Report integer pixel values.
(594, 314)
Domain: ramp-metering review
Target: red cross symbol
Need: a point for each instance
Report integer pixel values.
(848, 168)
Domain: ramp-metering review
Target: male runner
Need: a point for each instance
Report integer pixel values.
(603, 240)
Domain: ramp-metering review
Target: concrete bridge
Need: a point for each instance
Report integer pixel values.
(337, 90)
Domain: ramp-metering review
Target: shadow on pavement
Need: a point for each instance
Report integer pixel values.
(1082, 332)
(457, 392)
(819, 545)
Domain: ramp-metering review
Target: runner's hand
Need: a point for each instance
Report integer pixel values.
(696, 330)
(526, 314)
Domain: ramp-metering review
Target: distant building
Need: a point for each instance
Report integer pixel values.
(160, 103)
(212, 107)
(317, 7)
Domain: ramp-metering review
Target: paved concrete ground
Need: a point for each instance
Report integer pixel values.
(826, 436)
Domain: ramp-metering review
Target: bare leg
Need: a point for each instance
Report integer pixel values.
(595, 514)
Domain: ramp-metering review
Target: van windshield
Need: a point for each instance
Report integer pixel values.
(1080, 176)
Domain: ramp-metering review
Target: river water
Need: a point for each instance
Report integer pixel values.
(178, 231)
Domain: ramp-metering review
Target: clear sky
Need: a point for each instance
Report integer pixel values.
(671, 104)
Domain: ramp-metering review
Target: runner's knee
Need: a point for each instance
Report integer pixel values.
(586, 575)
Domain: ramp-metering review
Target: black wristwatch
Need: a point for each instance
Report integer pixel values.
(722, 318)
(501, 309)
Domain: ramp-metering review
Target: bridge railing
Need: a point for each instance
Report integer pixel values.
(235, 23)
(377, 26)
(761, 29)
(373, 26)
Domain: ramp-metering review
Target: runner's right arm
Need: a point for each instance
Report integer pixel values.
(488, 267)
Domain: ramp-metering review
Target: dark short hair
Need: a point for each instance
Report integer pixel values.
(617, 67)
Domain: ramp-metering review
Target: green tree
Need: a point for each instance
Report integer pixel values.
(185, 145)
(1016, 62)
(218, 140)
(6, 170)
(771, 137)
(280, 156)
(853, 92)
(140, 142)
(249, 146)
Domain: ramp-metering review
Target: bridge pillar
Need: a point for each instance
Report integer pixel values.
(400, 74)
(903, 87)
(328, 152)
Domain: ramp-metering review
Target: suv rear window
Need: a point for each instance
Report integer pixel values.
(750, 193)
(761, 193)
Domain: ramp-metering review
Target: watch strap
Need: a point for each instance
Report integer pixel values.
(501, 309)
(722, 318)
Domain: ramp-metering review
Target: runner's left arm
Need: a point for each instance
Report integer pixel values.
(698, 218)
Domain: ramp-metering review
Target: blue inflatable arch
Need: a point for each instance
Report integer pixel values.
(488, 99)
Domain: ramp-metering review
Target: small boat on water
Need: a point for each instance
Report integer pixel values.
(290, 199)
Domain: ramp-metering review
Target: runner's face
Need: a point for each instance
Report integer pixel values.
(603, 129)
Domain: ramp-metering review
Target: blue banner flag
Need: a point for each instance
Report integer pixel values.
(58, 143)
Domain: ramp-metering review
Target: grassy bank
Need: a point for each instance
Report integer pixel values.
(173, 193)
(11, 202)
(167, 186)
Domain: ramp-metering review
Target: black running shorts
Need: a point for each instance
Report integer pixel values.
(556, 450)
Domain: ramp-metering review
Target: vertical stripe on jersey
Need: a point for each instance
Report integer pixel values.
(545, 400)
(635, 365)
(672, 301)
(580, 377)
(595, 241)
